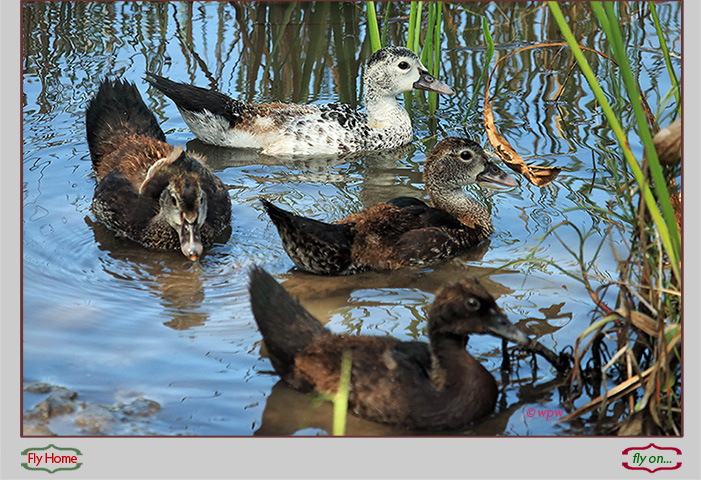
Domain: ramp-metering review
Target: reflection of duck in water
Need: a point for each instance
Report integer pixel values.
(147, 190)
(330, 129)
(403, 231)
(289, 412)
(175, 285)
(419, 386)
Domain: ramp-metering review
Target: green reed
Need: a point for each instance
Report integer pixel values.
(373, 30)
(648, 292)
(340, 400)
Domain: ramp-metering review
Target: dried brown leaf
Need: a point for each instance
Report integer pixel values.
(537, 175)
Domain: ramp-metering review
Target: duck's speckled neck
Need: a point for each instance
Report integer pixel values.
(385, 112)
(462, 206)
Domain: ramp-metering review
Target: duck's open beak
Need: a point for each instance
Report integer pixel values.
(500, 326)
(190, 242)
(428, 82)
(494, 174)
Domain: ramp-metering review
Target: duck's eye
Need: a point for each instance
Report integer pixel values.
(173, 201)
(473, 303)
(466, 155)
(403, 65)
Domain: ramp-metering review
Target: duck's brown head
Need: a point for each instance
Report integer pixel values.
(183, 202)
(455, 162)
(466, 307)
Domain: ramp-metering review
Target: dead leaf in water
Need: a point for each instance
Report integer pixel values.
(537, 175)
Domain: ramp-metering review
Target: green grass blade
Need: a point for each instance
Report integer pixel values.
(373, 30)
(667, 58)
(417, 27)
(340, 401)
(426, 57)
(437, 38)
(410, 30)
(670, 242)
(385, 23)
(438, 19)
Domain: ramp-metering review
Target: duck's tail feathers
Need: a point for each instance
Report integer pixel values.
(116, 112)
(197, 99)
(313, 246)
(287, 328)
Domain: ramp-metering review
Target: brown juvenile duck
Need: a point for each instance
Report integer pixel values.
(403, 231)
(415, 385)
(147, 190)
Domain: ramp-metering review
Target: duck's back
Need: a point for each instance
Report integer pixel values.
(281, 129)
(405, 231)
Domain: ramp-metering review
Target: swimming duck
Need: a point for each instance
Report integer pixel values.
(403, 231)
(308, 130)
(415, 385)
(147, 190)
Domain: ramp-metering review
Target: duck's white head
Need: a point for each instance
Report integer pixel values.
(394, 70)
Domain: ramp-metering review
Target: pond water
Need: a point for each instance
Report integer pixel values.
(115, 322)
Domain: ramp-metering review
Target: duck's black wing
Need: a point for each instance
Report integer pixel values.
(347, 117)
(198, 99)
(443, 237)
(313, 246)
(415, 355)
(287, 328)
(434, 217)
(124, 210)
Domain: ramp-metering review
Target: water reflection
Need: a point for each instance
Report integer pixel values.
(176, 283)
(288, 412)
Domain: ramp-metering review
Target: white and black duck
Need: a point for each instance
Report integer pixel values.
(308, 130)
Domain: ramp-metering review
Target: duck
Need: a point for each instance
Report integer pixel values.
(293, 130)
(414, 385)
(147, 190)
(403, 231)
